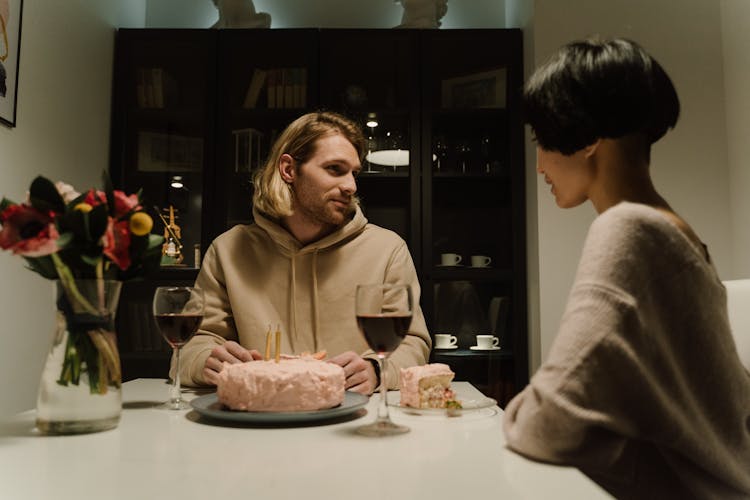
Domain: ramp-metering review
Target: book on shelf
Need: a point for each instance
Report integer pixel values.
(301, 89)
(140, 88)
(164, 88)
(155, 88)
(273, 87)
(290, 81)
(286, 88)
(254, 87)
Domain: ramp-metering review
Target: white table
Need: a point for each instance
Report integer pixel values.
(169, 455)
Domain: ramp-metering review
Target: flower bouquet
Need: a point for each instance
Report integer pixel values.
(86, 242)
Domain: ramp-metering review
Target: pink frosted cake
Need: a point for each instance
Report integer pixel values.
(428, 386)
(297, 384)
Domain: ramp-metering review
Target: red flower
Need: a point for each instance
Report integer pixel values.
(27, 231)
(124, 203)
(117, 243)
(95, 198)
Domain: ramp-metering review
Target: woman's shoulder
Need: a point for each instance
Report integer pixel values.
(633, 224)
(628, 213)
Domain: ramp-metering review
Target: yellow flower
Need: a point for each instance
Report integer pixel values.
(141, 223)
(83, 207)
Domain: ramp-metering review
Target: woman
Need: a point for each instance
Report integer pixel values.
(643, 389)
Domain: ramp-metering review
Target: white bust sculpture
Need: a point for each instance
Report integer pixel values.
(423, 13)
(240, 14)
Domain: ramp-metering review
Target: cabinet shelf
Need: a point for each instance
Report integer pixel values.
(470, 176)
(472, 274)
(437, 354)
(401, 173)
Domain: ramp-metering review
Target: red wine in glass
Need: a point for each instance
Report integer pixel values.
(383, 315)
(384, 332)
(178, 311)
(177, 329)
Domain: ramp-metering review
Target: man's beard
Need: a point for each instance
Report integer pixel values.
(326, 213)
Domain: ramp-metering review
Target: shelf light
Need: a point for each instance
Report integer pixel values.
(176, 182)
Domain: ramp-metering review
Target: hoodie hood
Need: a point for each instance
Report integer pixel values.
(289, 245)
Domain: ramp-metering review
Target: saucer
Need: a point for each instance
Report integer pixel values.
(450, 265)
(481, 267)
(447, 348)
(477, 348)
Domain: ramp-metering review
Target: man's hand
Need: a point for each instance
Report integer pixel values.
(360, 374)
(231, 352)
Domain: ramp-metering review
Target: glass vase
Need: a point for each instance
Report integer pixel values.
(79, 390)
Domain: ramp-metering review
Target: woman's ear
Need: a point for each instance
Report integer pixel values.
(590, 150)
(286, 168)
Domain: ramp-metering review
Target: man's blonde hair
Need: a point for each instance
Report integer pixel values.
(272, 195)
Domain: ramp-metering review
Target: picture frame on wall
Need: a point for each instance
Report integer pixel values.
(477, 90)
(10, 53)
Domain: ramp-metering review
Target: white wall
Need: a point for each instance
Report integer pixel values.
(735, 17)
(689, 165)
(62, 132)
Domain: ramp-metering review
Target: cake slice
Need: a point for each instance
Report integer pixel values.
(428, 386)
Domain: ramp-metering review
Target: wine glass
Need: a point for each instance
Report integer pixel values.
(464, 151)
(383, 315)
(441, 151)
(178, 311)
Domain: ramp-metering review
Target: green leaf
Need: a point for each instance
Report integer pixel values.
(90, 260)
(155, 241)
(44, 196)
(65, 239)
(5, 203)
(43, 266)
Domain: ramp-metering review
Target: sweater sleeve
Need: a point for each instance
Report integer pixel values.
(217, 326)
(415, 348)
(575, 408)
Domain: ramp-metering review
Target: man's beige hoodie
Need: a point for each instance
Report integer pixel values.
(258, 276)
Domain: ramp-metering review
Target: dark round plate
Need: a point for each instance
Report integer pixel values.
(209, 406)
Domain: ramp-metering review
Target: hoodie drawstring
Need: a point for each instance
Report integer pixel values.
(315, 298)
(292, 302)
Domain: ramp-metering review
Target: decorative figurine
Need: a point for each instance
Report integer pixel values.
(171, 251)
(240, 14)
(422, 13)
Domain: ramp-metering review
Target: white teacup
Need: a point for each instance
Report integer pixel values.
(450, 259)
(487, 341)
(445, 340)
(480, 261)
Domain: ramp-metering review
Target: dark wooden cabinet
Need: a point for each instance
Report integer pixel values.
(440, 109)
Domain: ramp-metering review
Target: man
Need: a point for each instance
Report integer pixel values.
(297, 267)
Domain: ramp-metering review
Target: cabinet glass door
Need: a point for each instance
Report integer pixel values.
(370, 76)
(164, 128)
(472, 212)
(268, 79)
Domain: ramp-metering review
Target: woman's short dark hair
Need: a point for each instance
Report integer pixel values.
(596, 88)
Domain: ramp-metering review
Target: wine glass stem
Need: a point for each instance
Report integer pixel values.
(176, 391)
(383, 405)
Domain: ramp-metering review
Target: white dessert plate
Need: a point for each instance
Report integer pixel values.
(477, 348)
(469, 406)
(209, 406)
(447, 348)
